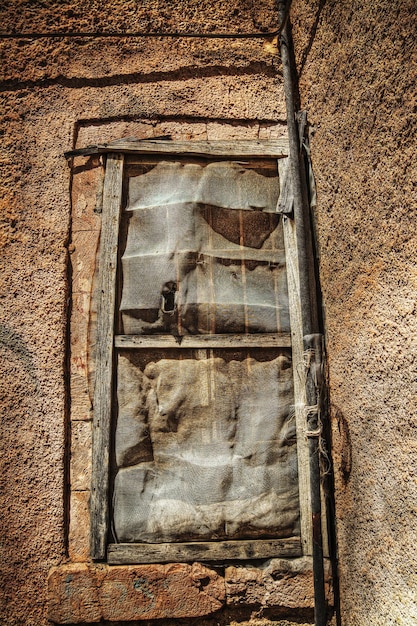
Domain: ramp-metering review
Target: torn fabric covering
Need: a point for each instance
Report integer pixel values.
(204, 251)
(205, 446)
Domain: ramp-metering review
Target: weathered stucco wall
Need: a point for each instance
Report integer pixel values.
(357, 62)
(356, 80)
(58, 94)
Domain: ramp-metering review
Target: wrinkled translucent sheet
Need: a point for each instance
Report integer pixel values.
(205, 443)
(204, 251)
(205, 446)
(221, 183)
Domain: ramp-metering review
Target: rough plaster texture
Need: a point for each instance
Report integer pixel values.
(357, 68)
(53, 94)
(357, 65)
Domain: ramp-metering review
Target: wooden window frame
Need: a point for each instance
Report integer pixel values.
(107, 341)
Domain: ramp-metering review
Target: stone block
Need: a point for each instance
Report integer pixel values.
(92, 134)
(158, 591)
(81, 593)
(87, 187)
(79, 527)
(81, 405)
(81, 455)
(182, 130)
(281, 583)
(80, 314)
(225, 131)
(84, 256)
(72, 595)
(79, 358)
(269, 131)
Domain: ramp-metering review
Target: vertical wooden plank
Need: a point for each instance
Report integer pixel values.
(99, 507)
(291, 255)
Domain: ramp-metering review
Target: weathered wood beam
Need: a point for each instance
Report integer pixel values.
(276, 340)
(102, 407)
(231, 149)
(307, 294)
(125, 553)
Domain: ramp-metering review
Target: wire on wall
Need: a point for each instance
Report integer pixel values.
(176, 34)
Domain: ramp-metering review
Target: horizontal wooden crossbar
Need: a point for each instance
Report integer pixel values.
(230, 149)
(276, 340)
(125, 553)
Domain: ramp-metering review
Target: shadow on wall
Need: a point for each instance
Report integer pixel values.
(344, 444)
(313, 32)
(182, 73)
(11, 340)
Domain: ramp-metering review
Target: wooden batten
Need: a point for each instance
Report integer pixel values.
(277, 340)
(291, 254)
(286, 198)
(127, 553)
(275, 148)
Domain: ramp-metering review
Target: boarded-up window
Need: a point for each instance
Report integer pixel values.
(194, 395)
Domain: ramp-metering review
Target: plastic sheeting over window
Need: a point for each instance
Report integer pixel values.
(204, 250)
(205, 444)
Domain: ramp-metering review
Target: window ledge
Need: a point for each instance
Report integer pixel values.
(81, 593)
(84, 593)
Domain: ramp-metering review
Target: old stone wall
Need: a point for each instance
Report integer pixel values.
(355, 62)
